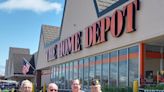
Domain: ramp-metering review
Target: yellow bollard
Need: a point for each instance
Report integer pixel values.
(44, 87)
(33, 87)
(12, 90)
(135, 86)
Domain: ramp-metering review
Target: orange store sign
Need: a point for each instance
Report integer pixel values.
(97, 33)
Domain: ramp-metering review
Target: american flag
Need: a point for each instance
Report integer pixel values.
(26, 66)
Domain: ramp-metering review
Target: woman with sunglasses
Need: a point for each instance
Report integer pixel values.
(95, 87)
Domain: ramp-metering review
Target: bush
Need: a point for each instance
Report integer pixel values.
(107, 88)
(155, 87)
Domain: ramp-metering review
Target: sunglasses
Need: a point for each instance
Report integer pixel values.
(54, 90)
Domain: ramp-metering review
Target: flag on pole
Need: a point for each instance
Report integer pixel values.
(26, 66)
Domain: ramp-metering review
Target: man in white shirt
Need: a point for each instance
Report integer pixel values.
(52, 87)
(26, 86)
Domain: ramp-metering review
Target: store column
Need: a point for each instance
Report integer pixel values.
(142, 60)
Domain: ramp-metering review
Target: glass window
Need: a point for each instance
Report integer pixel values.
(91, 69)
(133, 64)
(71, 73)
(152, 48)
(54, 74)
(117, 69)
(81, 72)
(105, 69)
(76, 69)
(57, 74)
(123, 65)
(153, 62)
(60, 78)
(113, 70)
(67, 75)
(63, 76)
(98, 67)
(86, 72)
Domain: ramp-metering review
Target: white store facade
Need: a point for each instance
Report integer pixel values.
(115, 41)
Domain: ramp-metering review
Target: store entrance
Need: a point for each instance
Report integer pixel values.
(154, 64)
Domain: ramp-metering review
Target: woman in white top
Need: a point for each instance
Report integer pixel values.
(76, 86)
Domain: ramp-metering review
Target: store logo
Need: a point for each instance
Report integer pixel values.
(120, 21)
(104, 6)
(67, 46)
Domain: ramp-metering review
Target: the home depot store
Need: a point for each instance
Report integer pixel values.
(115, 41)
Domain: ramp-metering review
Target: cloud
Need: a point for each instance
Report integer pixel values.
(2, 72)
(38, 6)
(2, 69)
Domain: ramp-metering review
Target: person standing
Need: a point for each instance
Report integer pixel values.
(76, 86)
(52, 87)
(95, 87)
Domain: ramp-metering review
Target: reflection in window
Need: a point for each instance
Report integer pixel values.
(54, 71)
(153, 57)
(113, 70)
(91, 69)
(81, 72)
(86, 72)
(57, 74)
(75, 69)
(122, 68)
(67, 76)
(71, 73)
(133, 64)
(114, 73)
(52, 74)
(98, 67)
(105, 69)
(63, 76)
(60, 72)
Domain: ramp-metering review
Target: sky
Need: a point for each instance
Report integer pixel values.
(20, 24)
